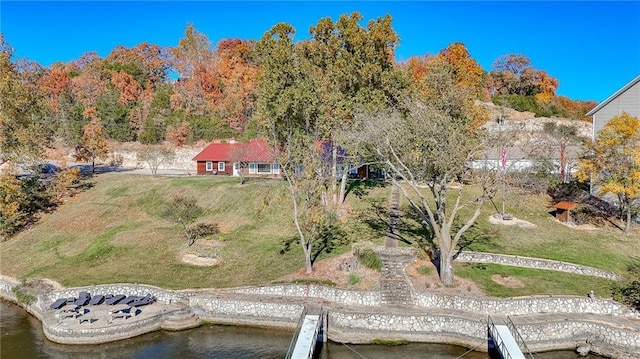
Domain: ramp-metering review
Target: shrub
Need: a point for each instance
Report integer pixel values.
(628, 293)
(368, 258)
(22, 296)
(354, 278)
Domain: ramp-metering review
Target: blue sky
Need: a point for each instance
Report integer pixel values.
(593, 48)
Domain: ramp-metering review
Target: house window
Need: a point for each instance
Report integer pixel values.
(220, 166)
(275, 168)
(353, 170)
(209, 166)
(252, 168)
(264, 168)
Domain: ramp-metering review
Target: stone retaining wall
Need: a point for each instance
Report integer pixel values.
(602, 338)
(526, 305)
(485, 306)
(60, 334)
(246, 311)
(6, 288)
(527, 262)
(334, 295)
(537, 335)
(410, 324)
(357, 316)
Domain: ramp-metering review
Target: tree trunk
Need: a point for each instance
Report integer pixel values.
(446, 267)
(446, 255)
(562, 164)
(307, 259)
(627, 226)
(334, 174)
(343, 188)
(93, 165)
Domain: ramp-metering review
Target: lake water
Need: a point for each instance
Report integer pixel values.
(21, 337)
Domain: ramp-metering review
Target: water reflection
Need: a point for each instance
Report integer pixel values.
(21, 337)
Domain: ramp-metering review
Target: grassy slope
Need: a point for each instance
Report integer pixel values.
(115, 232)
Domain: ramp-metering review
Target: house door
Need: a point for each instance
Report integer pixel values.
(236, 169)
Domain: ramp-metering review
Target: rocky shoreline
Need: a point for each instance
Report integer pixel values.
(546, 323)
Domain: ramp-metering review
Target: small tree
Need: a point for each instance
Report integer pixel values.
(613, 162)
(155, 156)
(12, 202)
(93, 143)
(241, 154)
(562, 136)
(64, 183)
(301, 166)
(184, 209)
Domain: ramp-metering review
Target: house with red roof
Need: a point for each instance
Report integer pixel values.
(254, 158)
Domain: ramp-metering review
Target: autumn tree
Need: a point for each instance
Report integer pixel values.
(94, 143)
(514, 74)
(24, 129)
(430, 146)
(238, 73)
(65, 182)
(12, 201)
(466, 71)
(155, 156)
(613, 163)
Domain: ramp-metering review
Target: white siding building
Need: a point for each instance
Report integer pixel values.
(627, 99)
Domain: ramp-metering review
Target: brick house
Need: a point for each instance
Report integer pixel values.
(253, 158)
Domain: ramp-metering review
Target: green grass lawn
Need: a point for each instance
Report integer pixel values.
(116, 231)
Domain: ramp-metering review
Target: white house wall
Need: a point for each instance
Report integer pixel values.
(628, 101)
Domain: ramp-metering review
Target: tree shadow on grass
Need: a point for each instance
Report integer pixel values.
(329, 239)
(412, 231)
(361, 187)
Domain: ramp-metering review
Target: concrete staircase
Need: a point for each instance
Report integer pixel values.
(395, 287)
(180, 317)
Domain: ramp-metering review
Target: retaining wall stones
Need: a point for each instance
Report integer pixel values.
(66, 335)
(484, 306)
(246, 311)
(345, 297)
(546, 323)
(409, 324)
(539, 333)
(527, 262)
(526, 305)
(602, 338)
(6, 288)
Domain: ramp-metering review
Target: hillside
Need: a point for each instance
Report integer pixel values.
(527, 122)
(115, 231)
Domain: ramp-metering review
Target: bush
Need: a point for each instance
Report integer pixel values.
(587, 215)
(368, 257)
(354, 278)
(628, 293)
(22, 296)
